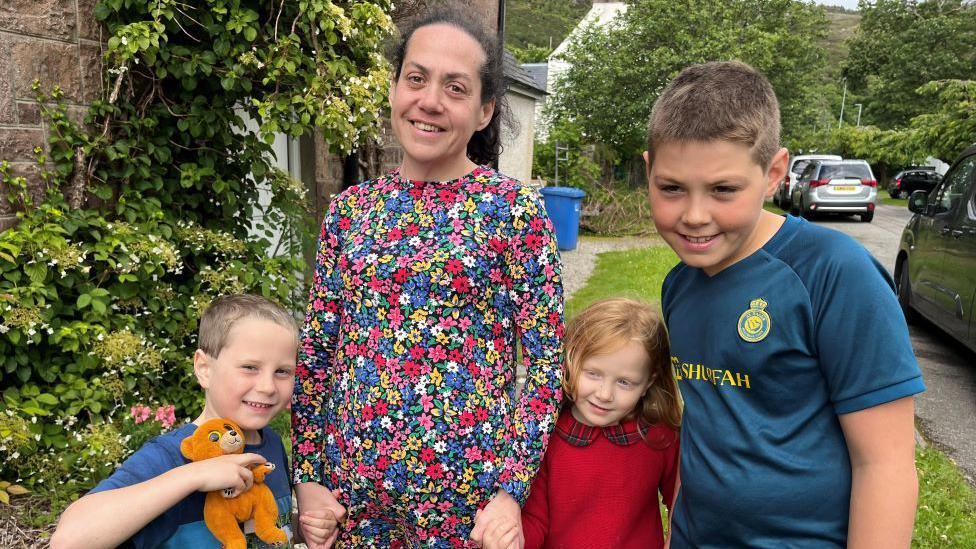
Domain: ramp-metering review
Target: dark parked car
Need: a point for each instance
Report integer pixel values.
(936, 265)
(916, 179)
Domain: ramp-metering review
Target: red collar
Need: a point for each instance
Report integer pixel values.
(579, 434)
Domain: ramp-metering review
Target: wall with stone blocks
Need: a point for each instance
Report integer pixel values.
(58, 42)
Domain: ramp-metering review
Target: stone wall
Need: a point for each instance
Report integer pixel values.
(57, 42)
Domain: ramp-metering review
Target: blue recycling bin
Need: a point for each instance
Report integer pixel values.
(563, 204)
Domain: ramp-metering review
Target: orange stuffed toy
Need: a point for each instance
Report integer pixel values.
(222, 511)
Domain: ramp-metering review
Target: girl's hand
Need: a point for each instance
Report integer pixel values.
(501, 534)
(318, 508)
(318, 525)
(500, 511)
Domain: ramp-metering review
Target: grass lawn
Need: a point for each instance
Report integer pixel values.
(886, 199)
(770, 207)
(947, 504)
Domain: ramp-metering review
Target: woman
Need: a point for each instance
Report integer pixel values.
(427, 279)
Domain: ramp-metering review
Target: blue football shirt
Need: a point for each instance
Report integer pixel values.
(767, 353)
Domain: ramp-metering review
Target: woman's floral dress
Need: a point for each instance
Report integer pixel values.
(405, 394)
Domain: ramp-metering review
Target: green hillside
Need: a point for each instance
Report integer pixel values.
(532, 25)
(842, 26)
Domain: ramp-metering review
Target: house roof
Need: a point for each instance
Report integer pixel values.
(539, 73)
(518, 77)
(599, 15)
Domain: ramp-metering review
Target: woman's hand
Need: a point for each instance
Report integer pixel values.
(319, 514)
(493, 524)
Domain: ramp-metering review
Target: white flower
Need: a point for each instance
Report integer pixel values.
(125, 40)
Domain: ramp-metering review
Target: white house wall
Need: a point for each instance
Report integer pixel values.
(516, 158)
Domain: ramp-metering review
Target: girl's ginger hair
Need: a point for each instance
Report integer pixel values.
(608, 325)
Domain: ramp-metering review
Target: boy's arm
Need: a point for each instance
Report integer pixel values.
(106, 519)
(884, 485)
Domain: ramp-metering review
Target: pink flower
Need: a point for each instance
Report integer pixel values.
(140, 413)
(166, 415)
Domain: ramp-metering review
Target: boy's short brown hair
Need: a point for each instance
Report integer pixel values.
(225, 311)
(719, 100)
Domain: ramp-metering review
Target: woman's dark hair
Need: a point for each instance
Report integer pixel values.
(485, 145)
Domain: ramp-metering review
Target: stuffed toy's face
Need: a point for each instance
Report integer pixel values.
(215, 437)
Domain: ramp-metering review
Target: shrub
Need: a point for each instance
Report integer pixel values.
(144, 216)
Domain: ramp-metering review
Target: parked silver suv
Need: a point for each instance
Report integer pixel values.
(836, 186)
(797, 164)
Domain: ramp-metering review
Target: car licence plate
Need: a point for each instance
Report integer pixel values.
(844, 188)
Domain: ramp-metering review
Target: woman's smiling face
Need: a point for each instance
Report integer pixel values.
(436, 102)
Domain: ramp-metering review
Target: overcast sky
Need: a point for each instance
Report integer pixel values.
(849, 4)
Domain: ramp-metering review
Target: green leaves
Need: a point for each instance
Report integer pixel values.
(899, 47)
(99, 307)
(619, 70)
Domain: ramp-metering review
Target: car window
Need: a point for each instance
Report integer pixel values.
(799, 166)
(954, 187)
(809, 171)
(845, 171)
(972, 206)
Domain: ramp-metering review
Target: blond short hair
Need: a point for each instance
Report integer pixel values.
(225, 311)
(608, 325)
(720, 100)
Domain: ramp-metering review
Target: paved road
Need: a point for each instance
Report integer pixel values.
(947, 410)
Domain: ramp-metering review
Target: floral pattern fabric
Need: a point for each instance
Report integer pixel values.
(424, 295)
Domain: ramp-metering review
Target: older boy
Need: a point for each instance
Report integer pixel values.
(246, 367)
(791, 353)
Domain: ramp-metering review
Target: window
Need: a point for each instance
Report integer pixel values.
(846, 171)
(954, 187)
(809, 171)
(799, 166)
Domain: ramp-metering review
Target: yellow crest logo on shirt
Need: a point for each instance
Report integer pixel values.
(754, 324)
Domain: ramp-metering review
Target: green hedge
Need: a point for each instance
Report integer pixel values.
(144, 216)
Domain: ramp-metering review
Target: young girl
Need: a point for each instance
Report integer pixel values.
(616, 447)
(427, 280)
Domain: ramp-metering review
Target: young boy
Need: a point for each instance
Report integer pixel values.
(790, 350)
(246, 367)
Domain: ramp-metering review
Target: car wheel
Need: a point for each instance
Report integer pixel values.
(866, 217)
(905, 294)
(794, 211)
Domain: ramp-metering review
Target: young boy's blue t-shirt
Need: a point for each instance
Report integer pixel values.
(767, 353)
(182, 525)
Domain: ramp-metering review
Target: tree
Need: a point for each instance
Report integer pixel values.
(901, 45)
(944, 133)
(618, 71)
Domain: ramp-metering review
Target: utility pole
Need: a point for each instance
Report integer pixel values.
(859, 106)
(843, 100)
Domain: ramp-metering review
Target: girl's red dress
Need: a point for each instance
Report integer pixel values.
(598, 487)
